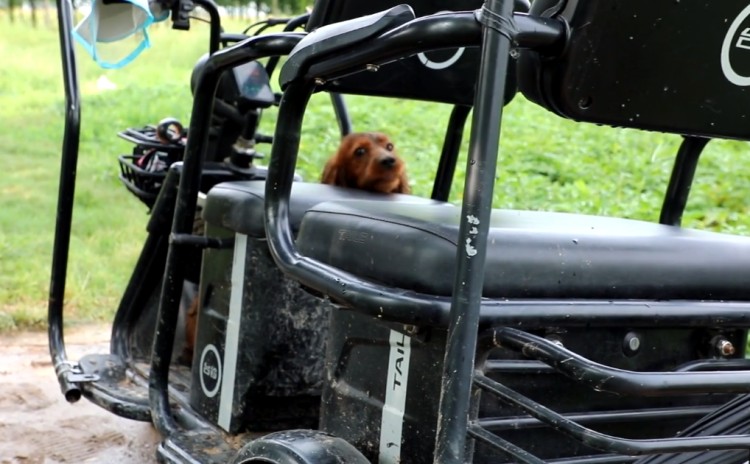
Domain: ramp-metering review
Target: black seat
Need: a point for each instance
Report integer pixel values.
(531, 254)
(238, 206)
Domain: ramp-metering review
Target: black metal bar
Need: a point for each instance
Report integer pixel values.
(199, 241)
(342, 113)
(597, 459)
(279, 185)
(619, 381)
(214, 35)
(195, 153)
(587, 313)
(512, 366)
(681, 180)
(473, 231)
(435, 32)
(441, 188)
(600, 417)
(715, 365)
(296, 22)
(119, 403)
(519, 455)
(65, 195)
(291, 25)
(591, 438)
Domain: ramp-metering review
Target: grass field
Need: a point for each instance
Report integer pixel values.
(545, 163)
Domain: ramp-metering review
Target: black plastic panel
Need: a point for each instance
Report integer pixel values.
(365, 360)
(278, 340)
(665, 65)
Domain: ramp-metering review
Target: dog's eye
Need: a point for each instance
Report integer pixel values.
(360, 151)
(389, 147)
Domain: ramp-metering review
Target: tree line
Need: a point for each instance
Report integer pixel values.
(272, 6)
(12, 7)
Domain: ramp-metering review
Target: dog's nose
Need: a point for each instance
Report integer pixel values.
(388, 161)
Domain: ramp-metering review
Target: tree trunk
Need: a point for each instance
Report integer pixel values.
(32, 3)
(11, 10)
(47, 18)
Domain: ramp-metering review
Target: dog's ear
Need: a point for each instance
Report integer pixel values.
(333, 174)
(329, 173)
(403, 184)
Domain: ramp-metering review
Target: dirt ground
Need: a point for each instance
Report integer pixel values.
(37, 425)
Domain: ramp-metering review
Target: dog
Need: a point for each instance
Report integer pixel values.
(364, 160)
(367, 161)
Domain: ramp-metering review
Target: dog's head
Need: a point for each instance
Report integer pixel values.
(367, 161)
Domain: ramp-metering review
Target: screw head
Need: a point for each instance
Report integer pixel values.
(724, 347)
(631, 344)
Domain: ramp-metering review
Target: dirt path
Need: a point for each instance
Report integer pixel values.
(37, 425)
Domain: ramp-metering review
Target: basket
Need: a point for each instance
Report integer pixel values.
(143, 171)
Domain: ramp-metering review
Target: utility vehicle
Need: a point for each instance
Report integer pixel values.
(340, 326)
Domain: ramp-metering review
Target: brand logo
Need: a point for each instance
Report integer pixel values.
(397, 368)
(392, 422)
(438, 64)
(735, 51)
(210, 371)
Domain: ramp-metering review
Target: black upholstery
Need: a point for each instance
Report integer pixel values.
(238, 206)
(530, 255)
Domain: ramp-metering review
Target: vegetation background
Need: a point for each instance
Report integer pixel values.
(545, 163)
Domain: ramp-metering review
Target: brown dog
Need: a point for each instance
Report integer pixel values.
(367, 161)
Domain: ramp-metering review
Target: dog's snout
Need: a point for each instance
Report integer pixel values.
(388, 161)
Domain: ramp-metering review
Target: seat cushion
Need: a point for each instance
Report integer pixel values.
(530, 254)
(238, 206)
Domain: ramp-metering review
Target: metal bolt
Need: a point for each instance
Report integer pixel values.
(724, 347)
(514, 53)
(556, 340)
(411, 329)
(631, 344)
(319, 81)
(372, 67)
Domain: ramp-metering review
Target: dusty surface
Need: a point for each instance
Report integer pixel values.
(37, 425)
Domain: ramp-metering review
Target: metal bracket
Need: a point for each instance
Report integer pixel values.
(80, 377)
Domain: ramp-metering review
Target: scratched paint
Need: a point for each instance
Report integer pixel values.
(470, 248)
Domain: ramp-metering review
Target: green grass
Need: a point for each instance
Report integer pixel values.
(108, 223)
(545, 163)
